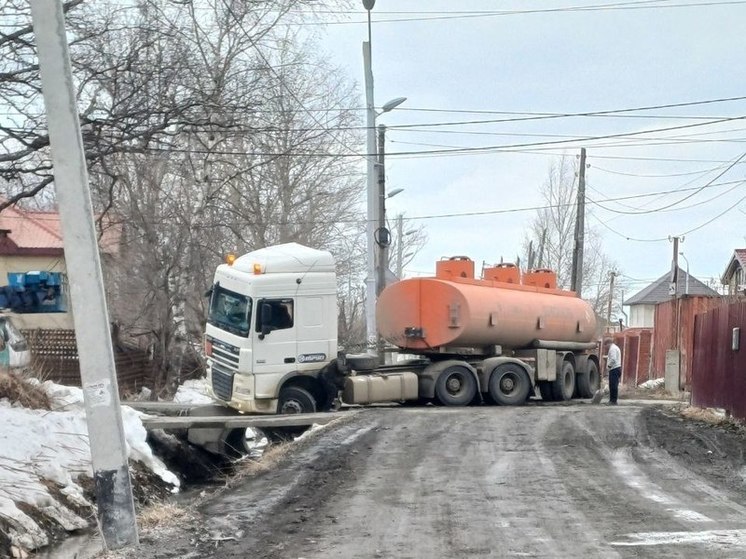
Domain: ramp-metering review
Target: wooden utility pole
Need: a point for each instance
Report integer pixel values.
(576, 282)
(111, 478)
(612, 275)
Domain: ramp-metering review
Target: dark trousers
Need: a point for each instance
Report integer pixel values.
(615, 376)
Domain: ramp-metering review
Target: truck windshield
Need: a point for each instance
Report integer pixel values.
(230, 311)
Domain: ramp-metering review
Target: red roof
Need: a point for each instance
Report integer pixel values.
(39, 233)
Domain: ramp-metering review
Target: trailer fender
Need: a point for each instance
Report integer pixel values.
(429, 376)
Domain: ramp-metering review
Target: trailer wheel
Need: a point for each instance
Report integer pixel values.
(509, 385)
(564, 387)
(295, 399)
(589, 382)
(545, 389)
(455, 386)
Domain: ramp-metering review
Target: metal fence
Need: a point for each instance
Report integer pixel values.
(718, 370)
(55, 357)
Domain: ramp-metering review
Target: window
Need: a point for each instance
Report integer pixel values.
(277, 314)
(230, 311)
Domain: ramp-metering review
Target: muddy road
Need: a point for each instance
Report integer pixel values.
(534, 481)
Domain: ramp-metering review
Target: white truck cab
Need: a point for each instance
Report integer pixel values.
(271, 328)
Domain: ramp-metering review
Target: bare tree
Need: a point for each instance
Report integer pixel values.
(551, 234)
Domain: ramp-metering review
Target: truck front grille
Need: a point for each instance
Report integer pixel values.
(222, 383)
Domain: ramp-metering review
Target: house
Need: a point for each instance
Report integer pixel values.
(642, 305)
(32, 241)
(734, 277)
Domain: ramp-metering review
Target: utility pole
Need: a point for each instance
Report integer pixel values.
(370, 230)
(673, 289)
(116, 511)
(612, 275)
(383, 235)
(399, 246)
(576, 282)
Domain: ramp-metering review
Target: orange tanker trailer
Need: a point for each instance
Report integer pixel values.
(455, 313)
(499, 338)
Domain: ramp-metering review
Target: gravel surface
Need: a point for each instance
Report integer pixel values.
(533, 481)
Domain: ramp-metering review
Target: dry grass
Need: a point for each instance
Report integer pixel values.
(17, 389)
(706, 415)
(161, 515)
(270, 457)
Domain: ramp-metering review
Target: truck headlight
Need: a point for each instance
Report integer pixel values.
(243, 385)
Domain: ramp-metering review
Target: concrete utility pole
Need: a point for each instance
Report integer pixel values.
(383, 236)
(116, 510)
(612, 275)
(674, 289)
(370, 229)
(576, 282)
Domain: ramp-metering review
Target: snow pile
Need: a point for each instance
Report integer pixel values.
(42, 456)
(653, 384)
(193, 392)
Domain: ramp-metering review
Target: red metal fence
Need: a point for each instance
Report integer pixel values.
(718, 371)
(666, 337)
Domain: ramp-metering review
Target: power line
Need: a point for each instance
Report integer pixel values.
(643, 5)
(676, 203)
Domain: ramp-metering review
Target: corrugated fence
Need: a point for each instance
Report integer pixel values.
(666, 337)
(718, 371)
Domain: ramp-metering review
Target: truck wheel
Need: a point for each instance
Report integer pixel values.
(564, 386)
(545, 388)
(455, 386)
(295, 399)
(509, 385)
(589, 382)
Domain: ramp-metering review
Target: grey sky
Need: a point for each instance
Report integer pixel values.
(564, 61)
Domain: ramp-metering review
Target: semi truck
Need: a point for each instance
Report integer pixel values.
(271, 337)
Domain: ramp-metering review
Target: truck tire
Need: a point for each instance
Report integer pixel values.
(455, 386)
(545, 389)
(589, 382)
(509, 385)
(295, 399)
(564, 387)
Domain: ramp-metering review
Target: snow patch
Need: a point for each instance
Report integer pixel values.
(193, 392)
(42, 446)
(653, 384)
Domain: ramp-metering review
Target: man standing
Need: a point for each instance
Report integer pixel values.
(614, 368)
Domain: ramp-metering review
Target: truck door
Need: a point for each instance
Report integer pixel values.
(275, 350)
(314, 336)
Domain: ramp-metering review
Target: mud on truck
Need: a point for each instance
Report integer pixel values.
(271, 337)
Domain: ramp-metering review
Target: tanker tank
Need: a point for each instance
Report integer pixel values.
(428, 315)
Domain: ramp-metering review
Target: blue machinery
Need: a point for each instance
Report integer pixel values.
(33, 292)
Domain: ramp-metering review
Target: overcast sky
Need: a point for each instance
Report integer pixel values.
(562, 61)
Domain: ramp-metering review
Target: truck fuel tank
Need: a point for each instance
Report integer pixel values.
(391, 387)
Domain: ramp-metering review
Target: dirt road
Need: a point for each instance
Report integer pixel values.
(534, 481)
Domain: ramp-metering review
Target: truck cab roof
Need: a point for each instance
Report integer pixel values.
(285, 258)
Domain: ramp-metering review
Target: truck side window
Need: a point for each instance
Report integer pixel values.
(281, 315)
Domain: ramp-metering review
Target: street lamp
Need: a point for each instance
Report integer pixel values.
(686, 292)
(394, 192)
(372, 189)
